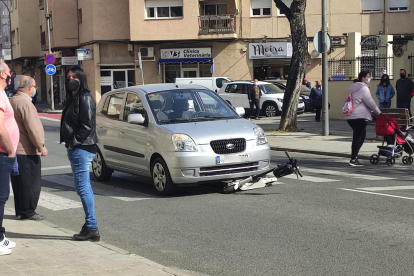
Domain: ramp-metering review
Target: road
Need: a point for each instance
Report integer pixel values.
(337, 220)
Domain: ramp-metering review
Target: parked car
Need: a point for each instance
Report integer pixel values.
(271, 101)
(213, 83)
(304, 92)
(176, 135)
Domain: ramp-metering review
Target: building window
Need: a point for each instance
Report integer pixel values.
(398, 5)
(369, 6)
(164, 9)
(15, 4)
(80, 16)
(261, 7)
(17, 36)
(287, 3)
(43, 39)
(13, 36)
(51, 22)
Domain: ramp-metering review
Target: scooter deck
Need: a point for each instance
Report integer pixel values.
(262, 183)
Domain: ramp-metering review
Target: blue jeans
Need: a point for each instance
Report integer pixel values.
(385, 105)
(80, 160)
(6, 167)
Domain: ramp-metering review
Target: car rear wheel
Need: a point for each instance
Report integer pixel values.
(161, 178)
(271, 110)
(99, 168)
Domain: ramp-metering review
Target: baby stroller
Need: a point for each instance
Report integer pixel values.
(395, 142)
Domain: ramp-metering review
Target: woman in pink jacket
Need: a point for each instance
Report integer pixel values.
(363, 104)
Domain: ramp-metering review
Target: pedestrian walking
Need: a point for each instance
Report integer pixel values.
(316, 99)
(385, 92)
(9, 139)
(363, 103)
(254, 96)
(27, 184)
(405, 88)
(78, 132)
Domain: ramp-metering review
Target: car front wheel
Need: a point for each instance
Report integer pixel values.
(271, 110)
(161, 178)
(99, 168)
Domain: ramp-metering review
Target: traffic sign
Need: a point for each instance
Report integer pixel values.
(50, 69)
(50, 58)
(317, 42)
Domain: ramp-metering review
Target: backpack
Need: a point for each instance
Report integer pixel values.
(348, 106)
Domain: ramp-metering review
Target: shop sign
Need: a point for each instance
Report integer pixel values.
(69, 60)
(185, 53)
(270, 50)
(84, 54)
(106, 80)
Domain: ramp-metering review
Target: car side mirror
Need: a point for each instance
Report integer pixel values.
(136, 119)
(240, 110)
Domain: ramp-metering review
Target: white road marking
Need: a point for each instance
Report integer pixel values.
(54, 202)
(99, 189)
(346, 174)
(311, 178)
(388, 188)
(372, 193)
(56, 168)
(49, 119)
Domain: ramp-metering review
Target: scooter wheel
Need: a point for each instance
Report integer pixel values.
(374, 159)
(410, 160)
(405, 160)
(390, 161)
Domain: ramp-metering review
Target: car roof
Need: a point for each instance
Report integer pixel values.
(151, 88)
(246, 82)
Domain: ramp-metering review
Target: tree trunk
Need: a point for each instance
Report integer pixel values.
(296, 17)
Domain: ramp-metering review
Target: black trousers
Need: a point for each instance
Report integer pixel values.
(318, 113)
(26, 186)
(254, 103)
(6, 167)
(359, 126)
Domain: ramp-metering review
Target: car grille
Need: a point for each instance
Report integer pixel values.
(229, 169)
(220, 146)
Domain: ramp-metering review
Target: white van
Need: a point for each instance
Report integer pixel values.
(213, 83)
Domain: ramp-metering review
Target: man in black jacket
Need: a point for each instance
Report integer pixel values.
(405, 87)
(254, 98)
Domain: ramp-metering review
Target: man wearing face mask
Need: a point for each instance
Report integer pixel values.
(404, 87)
(316, 99)
(27, 185)
(254, 98)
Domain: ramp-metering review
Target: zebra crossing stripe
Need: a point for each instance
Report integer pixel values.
(311, 178)
(346, 174)
(388, 188)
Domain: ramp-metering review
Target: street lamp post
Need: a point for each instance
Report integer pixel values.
(10, 35)
(48, 17)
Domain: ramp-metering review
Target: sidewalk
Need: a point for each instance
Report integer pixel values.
(41, 107)
(45, 249)
(310, 140)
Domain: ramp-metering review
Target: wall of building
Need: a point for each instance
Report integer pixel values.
(65, 23)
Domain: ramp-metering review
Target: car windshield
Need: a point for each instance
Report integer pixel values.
(181, 106)
(270, 89)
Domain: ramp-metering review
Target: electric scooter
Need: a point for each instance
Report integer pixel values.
(260, 181)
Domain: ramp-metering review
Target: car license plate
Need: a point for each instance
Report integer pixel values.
(226, 159)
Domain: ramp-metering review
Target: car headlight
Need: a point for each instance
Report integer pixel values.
(183, 142)
(260, 136)
(305, 97)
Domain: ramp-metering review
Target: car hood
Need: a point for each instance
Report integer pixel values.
(204, 132)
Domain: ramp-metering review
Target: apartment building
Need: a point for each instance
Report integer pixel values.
(240, 39)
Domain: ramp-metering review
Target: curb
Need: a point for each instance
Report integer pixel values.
(324, 153)
(50, 111)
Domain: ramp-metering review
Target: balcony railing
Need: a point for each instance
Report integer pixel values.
(216, 24)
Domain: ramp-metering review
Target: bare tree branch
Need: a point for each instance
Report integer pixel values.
(284, 9)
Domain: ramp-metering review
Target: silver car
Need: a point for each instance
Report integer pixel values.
(176, 134)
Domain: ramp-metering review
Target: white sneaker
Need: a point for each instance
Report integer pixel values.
(4, 250)
(7, 243)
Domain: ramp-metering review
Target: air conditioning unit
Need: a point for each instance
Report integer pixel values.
(315, 54)
(147, 53)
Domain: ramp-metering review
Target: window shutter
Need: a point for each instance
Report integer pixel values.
(259, 4)
(162, 3)
(399, 4)
(371, 5)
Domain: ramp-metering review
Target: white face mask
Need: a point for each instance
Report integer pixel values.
(368, 80)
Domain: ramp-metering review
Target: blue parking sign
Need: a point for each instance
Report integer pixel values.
(50, 69)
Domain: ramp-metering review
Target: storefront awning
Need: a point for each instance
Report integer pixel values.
(185, 60)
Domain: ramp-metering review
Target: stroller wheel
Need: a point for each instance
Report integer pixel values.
(405, 160)
(390, 161)
(410, 160)
(374, 159)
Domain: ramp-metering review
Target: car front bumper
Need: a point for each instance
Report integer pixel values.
(201, 166)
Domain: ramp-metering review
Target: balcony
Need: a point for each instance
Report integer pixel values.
(216, 24)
